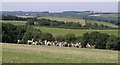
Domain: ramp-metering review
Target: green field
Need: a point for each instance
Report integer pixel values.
(78, 32)
(17, 53)
(110, 15)
(104, 23)
(14, 22)
(61, 31)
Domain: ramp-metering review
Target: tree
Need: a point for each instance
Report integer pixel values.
(85, 39)
(95, 25)
(30, 22)
(8, 33)
(70, 37)
(60, 38)
(20, 31)
(32, 33)
(98, 39)
(47, 36)
(113, 43)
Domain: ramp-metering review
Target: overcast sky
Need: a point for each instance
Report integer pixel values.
(60, 6)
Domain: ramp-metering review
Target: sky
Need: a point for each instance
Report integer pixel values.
(60, 6)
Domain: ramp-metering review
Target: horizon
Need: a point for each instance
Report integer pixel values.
(60, 6)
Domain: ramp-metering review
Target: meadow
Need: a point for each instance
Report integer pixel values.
(21, 53)
(77, 32)
(14, 22)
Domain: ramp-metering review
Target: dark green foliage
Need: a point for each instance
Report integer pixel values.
(47, 36)
(70, 37)
(11, 33)
(20, 30)
(60, 38)
(113, 43)
(85, 39)
(30, 22)
(98, 39)
(32, 33)
(10, 17)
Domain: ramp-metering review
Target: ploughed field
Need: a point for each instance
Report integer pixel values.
(21, 53)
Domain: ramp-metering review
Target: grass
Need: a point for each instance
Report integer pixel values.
(66, 19)
(60, 31)
(17, 53)
(78, 32)
(14, 22)
(104, 23)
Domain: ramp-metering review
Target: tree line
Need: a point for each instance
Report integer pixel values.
(66, 25)
(55, 23)
(11, 33)
(10, 17)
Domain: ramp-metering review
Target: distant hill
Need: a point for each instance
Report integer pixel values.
(111, 17)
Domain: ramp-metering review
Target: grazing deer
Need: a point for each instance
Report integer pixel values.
(30, 41)
(19, 41)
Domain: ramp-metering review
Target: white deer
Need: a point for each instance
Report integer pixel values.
(30, 41)
(19, 41)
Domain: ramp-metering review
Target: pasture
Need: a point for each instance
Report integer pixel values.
(21, 53)
(104, 23)
(14, 22)
(77, 32)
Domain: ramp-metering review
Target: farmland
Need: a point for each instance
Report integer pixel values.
(61, 31)
(81, 21)
(104, 23)
(14, 22)
(18, 53)
(78, 32)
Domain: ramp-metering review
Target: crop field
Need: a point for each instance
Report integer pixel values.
(21, 53)
(14, 22)
(104, 23)
(110, 15)
(81, 21)
(78, 32)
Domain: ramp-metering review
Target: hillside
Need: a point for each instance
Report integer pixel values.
(17, 53)
(78, 32)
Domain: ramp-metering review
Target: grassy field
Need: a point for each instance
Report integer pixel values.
(81, 21)
(60, 31)
(16, 53)
(104, 23)
(14, 22)
(78, 32)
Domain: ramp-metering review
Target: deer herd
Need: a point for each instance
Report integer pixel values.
(56, 43)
